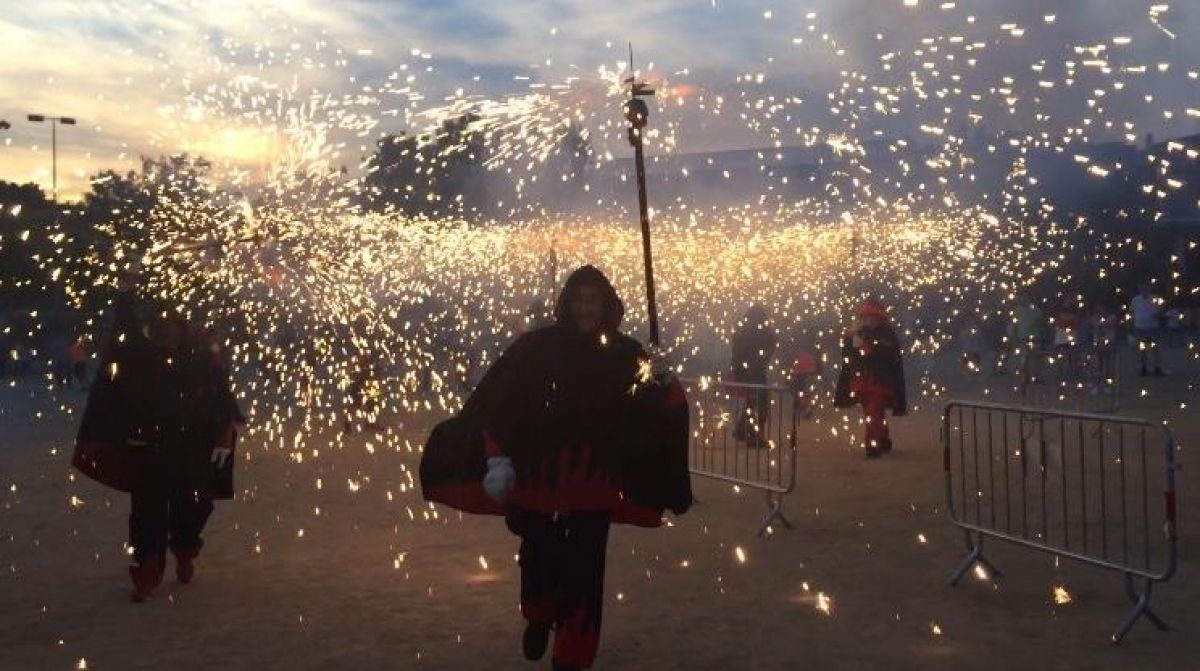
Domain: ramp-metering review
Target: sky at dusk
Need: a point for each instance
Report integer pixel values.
(127, 68)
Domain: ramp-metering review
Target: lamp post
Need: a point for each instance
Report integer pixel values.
(54, 121)
(637, 113)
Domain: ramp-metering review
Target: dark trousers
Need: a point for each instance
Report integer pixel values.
(751, 424)
(562, 578)
(163, 515)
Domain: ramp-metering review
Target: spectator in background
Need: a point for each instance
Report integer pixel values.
(1027, 334)
(1147, 329)
(805, 369)
(752, 347)
(970, 343)
(1066, 338)
(1104, 328)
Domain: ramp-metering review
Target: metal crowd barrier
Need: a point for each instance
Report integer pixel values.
(1094, 488)
(744, 434)
(1086, 378)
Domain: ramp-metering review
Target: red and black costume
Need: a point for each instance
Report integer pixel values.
(149, 428)
(873, 376)
(593, 440)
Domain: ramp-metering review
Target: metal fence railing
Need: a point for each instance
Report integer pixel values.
(1095, 488)
(744, 434)
(1078, 377)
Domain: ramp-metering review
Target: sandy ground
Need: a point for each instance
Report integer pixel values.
(300, 578)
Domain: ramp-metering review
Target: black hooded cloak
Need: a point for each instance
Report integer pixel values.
(879, 360)
(585, 425)
(149, 406)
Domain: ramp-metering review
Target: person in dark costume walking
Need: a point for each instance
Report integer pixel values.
(160, 423)
(752, 347)
(574, 428)
(873, 375)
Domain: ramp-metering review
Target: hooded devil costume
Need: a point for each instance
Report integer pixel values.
(152, 420)
(592, 437)
(873, 376)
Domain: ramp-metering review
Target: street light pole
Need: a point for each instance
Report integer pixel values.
(54, 121)
(637, 114)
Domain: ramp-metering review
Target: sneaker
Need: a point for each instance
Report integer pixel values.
(535, 640)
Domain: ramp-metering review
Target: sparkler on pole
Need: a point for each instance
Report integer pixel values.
(637, 113)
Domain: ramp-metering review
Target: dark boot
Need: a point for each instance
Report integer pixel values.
(185, 563)
(885, 445)
(535, 640)
(147, 575)
(874, 452)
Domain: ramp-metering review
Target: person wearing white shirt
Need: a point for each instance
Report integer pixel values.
(1147, 325)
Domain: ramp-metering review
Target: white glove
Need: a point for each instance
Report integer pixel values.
(500, 479)
(220, 455)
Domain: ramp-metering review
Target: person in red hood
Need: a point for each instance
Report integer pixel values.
(873, 375)
(160, 423)
(573, 428)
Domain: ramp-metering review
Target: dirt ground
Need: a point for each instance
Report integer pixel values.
(361, 574)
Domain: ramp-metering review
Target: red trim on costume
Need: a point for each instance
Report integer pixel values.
(467, 497)
(576, 640)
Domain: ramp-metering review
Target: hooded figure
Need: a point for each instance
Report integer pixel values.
(567, 432)
(160, 423)
(873, 375)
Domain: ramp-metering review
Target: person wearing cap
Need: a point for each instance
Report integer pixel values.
(160, 423)
(872, 375)
(574, 428)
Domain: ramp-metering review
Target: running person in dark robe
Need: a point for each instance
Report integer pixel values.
(160, 423)
(573, 428)
(873, 375)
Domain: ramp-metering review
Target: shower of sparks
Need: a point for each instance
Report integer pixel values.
(338, 313)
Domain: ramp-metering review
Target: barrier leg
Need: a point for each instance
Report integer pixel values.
(1141, 606)
(974, 556)
(775, 503)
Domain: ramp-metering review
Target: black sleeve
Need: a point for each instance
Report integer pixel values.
(499, 404)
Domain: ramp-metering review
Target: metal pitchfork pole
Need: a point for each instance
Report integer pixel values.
(637, 113)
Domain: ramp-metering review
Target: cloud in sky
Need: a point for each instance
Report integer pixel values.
(123, 67)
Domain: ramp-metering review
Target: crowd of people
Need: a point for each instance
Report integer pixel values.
(1071, 335)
